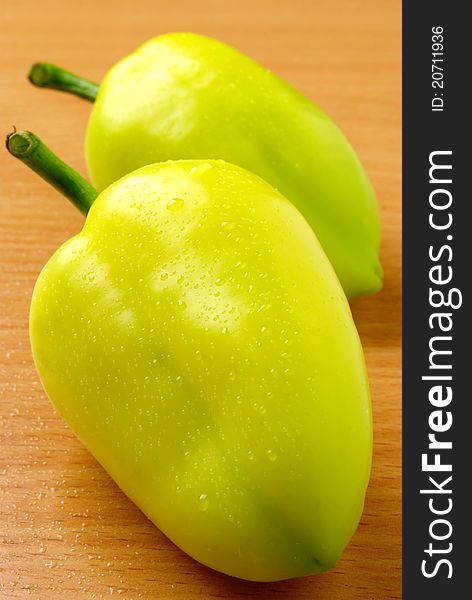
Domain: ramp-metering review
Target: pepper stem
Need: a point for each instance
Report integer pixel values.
(37, 156)
(45, 75)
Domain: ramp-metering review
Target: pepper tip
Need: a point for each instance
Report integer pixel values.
(39, 74)
(20, 143)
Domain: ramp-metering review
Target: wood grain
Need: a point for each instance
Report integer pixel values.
(65, 528)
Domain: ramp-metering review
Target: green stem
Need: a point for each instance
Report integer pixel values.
(49, 76)
(37, 156)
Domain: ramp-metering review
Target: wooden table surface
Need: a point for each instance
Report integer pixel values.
(65, 527)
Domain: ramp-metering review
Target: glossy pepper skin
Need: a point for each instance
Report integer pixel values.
(197, 341)
(186, 96)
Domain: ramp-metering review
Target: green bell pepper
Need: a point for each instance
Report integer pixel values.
(186, 96)
(197, 340)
